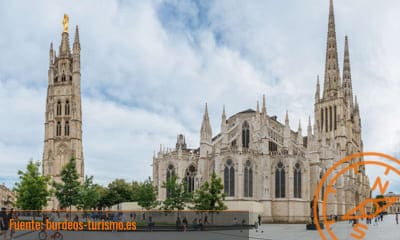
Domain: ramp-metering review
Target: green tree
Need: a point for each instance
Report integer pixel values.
(67, 191)
(210, 196)
(89, 195)
(147, 195)
(32, 191)
(105, 199)
(119, 191)
(135, 185)
(177, 197)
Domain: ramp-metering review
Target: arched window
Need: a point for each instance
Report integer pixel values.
(55, 79)
(322, 119)
(170, 173)
(297, 181)
(189, 178)
(66, 130)
(70, 78)
(248, 180)
(59, 108)
(67, 107)
(58, 129)
(63, 78)
(280, 181)
(229, 179)
(245, 134)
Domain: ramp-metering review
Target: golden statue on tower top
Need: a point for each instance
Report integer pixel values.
(65, 23)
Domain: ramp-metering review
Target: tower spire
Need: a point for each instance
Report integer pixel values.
(347, 86)
(332, 75)
(264, 106)
(317, 90)
(205, 132)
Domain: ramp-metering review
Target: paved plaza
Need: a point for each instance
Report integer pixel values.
(386, 230)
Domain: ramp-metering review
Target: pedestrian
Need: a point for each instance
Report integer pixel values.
(206, 219)
(185, 224)
(259, 219)
(4, 222)
(397, 218)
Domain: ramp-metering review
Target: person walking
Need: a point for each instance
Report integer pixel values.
(259, 220)
(397, 218)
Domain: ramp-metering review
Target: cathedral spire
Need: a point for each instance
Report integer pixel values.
(51, 54)
(347, 86)
(287, 118)
(223, 119)
(77, 45)
(264, 106)
(317, 90)
(206, 132)
(332, 75)
(309, 127)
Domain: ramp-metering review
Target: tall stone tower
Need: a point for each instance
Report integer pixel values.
(337, 117)
(63, 120)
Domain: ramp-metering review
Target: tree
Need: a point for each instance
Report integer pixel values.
(147, 195)
(89, 195)
(135, 185)
(67, 192)
(177, 197)
(105, 199)
(32, 191)
(119, 191)
(210, 196)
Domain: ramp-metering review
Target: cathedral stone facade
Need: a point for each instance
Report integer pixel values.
(63, 119)
(267, 167)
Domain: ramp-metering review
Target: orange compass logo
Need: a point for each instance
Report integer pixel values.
(339, 169)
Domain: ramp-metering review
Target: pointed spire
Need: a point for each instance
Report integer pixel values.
(264, 106)
(299, 128)
(51, 54)
(76, 40)
(206, 132)
(223, 120)
(309, 127)
(332, 75)
(347, 86)
(287, 118)
(317, 90)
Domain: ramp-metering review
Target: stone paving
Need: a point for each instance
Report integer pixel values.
(386, 230)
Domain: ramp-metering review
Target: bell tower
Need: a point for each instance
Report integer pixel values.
(63, 118)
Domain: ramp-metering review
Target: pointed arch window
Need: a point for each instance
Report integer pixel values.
(297, 181)
(58, 129)
(67, 107)
(66, 128)
(245, 134)
(280, 186)
(189, 178)
(229, 178)
(59, 108)
(248, 179)
(63, 78)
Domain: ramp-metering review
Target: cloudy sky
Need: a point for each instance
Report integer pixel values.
(148, 67)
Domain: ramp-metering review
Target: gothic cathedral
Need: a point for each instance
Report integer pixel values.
(63, 119)
(267, 167)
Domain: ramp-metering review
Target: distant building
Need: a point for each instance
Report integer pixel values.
(7, 197)
(269, 168)
(395, 207)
